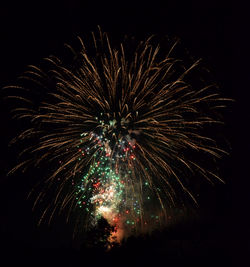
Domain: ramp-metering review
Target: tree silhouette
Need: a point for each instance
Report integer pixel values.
(99, 237)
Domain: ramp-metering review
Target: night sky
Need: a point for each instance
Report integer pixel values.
(213, 30)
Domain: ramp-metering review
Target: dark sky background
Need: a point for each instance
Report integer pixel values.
(214, 30)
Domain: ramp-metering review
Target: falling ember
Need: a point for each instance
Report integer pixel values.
(125, 128)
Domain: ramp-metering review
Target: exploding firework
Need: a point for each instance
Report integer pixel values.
(121, 130)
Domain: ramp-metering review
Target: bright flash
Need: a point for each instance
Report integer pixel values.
(104, 210)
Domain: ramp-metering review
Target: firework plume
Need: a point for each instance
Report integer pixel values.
(122, 130)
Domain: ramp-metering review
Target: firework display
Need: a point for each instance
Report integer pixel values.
(121, 129)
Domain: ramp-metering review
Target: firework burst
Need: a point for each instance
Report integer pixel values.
(121, 130)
